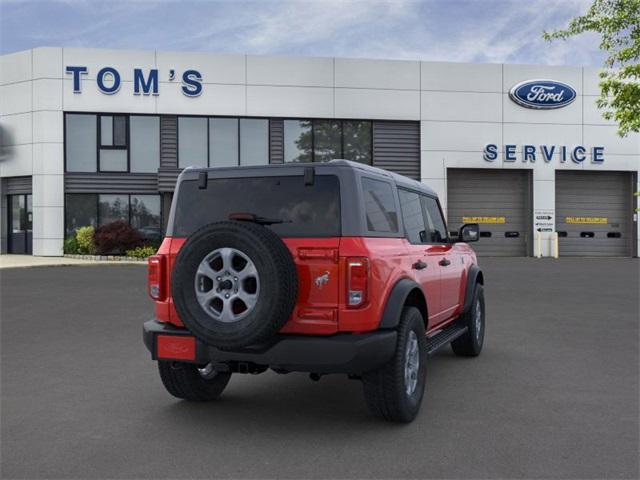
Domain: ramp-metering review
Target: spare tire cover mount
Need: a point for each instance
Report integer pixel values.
(227, 284)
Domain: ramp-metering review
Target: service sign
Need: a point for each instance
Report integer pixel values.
(511, 152)
(544, 220)
(542, 94)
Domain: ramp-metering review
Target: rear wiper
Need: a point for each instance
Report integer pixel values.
(252, 217)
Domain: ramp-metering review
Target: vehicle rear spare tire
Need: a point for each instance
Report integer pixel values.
(234, 284)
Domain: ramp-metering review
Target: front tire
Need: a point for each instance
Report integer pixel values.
(394, 392)
(470, 344)
(188, 382)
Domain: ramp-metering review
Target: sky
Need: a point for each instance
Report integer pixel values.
(486, 31)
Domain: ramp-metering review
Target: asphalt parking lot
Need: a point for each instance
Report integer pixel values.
(554, 394)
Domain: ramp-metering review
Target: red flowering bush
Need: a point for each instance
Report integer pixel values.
(116, 237)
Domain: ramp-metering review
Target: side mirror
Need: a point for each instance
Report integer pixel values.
(469, 232)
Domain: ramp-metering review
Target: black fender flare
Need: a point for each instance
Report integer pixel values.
(474, 276)
(397, 300)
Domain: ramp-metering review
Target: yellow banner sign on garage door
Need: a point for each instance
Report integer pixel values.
(494, 220)
(587, 220)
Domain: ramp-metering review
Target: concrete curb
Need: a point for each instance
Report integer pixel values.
(107, 258)
(28, 261)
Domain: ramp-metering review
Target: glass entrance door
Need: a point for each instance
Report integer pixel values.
(20, 221)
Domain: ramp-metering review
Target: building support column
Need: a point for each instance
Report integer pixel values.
(636, 213)
(48, 185)
(544, 206)
(4, 217)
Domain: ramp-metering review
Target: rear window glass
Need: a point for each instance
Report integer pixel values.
(306, 210)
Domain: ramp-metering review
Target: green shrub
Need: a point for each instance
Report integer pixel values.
(84, 237)
(142, 252)
(70, 245)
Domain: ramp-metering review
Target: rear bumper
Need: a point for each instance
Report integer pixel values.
(339, 353)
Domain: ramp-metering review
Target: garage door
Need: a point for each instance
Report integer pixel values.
(498, 200)
(594, 213)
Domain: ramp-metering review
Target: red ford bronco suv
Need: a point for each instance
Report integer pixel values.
(322, 268)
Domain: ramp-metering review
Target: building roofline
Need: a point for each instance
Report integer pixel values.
(285, 56)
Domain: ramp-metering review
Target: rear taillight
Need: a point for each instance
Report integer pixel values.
(156, 277)
(357, 281)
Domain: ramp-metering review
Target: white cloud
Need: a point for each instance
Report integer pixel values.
(455, 30)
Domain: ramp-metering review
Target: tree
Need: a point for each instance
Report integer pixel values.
(348, 139)
(618, 23)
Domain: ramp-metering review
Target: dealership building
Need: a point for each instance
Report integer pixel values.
(90, 136)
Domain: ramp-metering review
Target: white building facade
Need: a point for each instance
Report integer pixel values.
(91, 136)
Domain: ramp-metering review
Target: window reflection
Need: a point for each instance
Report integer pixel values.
(223, 142)
(324, 140)
(327, 140)
(145, 216)
(112, 208)
(80, 142)
(357, 141)
(145, 143)
(297, 141)
(254, 141)
(192, 142)
(81, 210)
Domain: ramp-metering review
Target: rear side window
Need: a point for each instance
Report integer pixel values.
(436, 231)
(412, 216)
(305, 210)
(380, 206)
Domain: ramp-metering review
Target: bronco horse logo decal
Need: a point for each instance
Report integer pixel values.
(322, 279)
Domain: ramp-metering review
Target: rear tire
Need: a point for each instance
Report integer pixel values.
(185, 381)
(470, 344)
(394, 392)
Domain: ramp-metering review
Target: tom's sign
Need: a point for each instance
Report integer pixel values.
(542, 94)
(108, 80)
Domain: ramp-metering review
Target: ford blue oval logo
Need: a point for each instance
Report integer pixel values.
(542, 94)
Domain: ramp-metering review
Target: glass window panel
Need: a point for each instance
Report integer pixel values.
(113, 160)
(146, 217)
(145, 143)
(412, 216)
(436, 231)
(192, 142)
(327, 140)
(29, 218)
(254, 141)
(112, 208)
(357, 141)
(80, 142)
(380, 207)
(106, 131)
(297, 141)
(120, 131)
(17, 213)
(223, 142)
(81, 210)
(306, 210)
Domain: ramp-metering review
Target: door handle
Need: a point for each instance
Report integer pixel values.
(444, 262)
(419, 265)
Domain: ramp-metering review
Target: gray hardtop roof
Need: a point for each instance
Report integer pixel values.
(321, 168)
